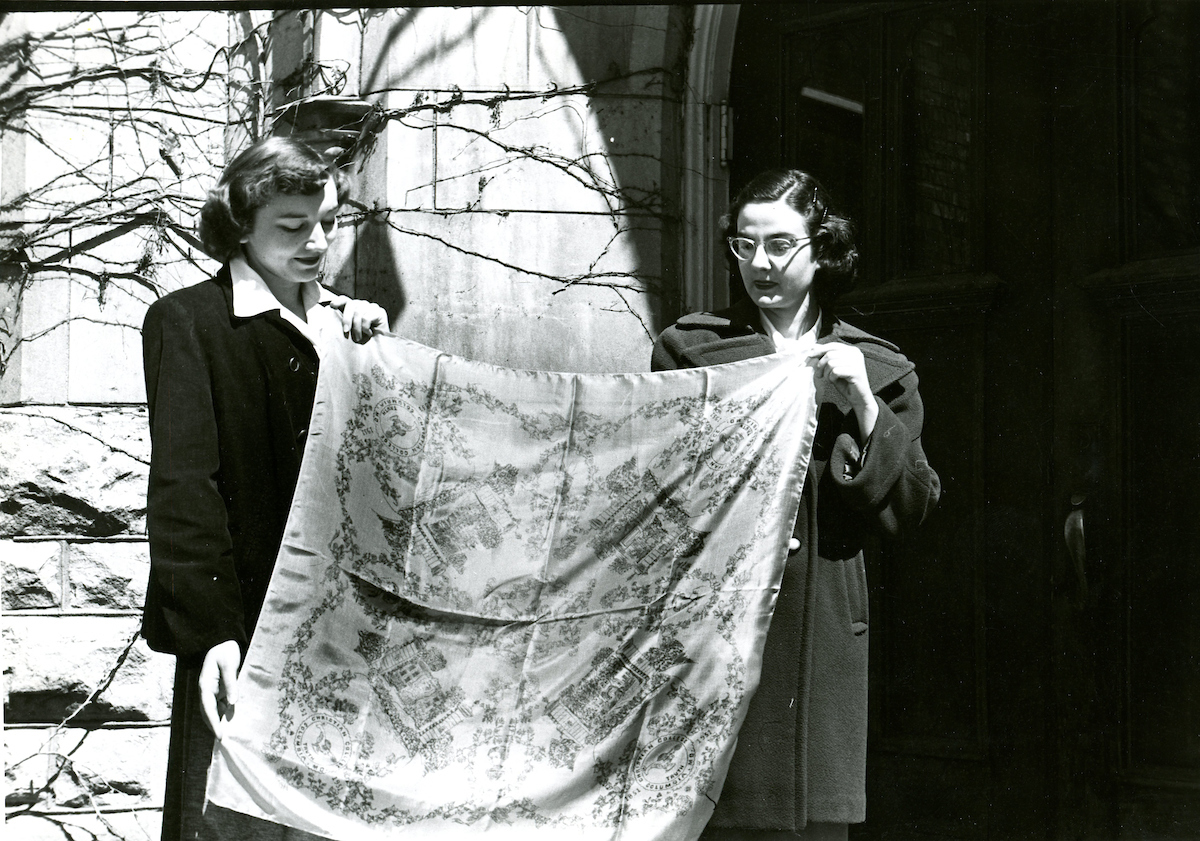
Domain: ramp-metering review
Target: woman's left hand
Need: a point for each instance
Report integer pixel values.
(360, 319)
(841, 366)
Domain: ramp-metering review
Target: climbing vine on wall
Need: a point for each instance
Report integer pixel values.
(113, 125)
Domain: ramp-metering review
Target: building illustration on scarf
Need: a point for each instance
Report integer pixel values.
(444, 529)
(419, 708)
(619, 682)
(644, 526)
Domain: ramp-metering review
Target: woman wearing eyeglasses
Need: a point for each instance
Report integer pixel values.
(800, 765)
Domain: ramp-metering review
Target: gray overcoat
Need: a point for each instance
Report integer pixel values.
(801, 753)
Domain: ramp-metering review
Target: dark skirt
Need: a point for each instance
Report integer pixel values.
(184, 812)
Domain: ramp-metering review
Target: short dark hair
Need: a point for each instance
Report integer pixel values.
(270, 167)
(832, 233)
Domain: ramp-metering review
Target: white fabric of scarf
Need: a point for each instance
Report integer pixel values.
(516, 604)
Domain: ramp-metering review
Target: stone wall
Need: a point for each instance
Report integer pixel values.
(524, 190)
(108, 157)
(86, 705)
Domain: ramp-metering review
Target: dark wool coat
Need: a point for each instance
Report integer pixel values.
(801, 753)
(229, 402)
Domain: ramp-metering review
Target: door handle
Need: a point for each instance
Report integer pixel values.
(1076, 544)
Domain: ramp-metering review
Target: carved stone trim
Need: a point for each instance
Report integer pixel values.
(1164, 286)
(337, 124)
(705, 175)
(964, 294)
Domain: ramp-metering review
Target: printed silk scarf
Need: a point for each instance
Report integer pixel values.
(518, 604)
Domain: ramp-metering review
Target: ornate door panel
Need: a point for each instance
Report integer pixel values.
(1026, 179)
(1128, 292)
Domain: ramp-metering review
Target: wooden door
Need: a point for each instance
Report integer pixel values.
(1127, 409)
(1026, 194)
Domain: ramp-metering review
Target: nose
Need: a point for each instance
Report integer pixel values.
(759, 260)
(317, 240)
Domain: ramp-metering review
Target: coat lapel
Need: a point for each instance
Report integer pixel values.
(737, 336)
(733, 349)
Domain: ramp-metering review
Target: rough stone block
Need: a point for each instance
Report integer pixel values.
(524, 155)
(107, 322)
(122, 767)
(411, 155)
(28, 763)
(51, 666)
(340, 35)
(107, 576)
(139, 825)
(31, 574)
(38, 369)
(68, 470)
(568, 153)
(412, 38)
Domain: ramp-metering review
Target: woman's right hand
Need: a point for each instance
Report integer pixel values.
(218, 684)
(360, 319)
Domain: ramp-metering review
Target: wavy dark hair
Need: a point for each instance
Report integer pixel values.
(272, 166)
(832, 233)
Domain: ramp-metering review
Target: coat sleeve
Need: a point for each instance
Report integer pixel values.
(894, 483)
(666, 352)
(195, 591)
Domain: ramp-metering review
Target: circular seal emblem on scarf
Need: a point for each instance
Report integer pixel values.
(398, 426)
(729, 440)
(323, 743)
(666, 765)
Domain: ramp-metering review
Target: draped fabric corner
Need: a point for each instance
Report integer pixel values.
(515, 604)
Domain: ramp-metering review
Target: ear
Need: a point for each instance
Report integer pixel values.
(817, 259)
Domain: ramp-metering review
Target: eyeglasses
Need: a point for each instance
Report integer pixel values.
(777, 248)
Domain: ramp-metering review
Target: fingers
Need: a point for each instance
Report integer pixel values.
(208, 698)
(352, 321)
(837, 361)
(843, 367)
(218, 685)
(827, 351)
(361, 320)
(229, 689)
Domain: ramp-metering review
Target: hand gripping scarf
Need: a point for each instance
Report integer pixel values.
(516, 604)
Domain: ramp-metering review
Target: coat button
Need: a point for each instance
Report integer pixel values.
(301, 434)
(294, 364)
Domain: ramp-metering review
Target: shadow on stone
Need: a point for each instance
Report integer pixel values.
(54, 707)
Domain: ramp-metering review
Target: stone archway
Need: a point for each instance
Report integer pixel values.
(706, 120)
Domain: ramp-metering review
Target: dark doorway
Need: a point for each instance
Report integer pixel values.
(1026, 179)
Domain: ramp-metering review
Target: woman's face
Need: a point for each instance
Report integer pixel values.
(290, 236)
(780, 282)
